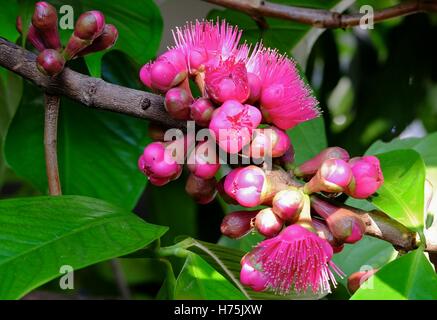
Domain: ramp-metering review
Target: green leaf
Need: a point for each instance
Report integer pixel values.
(40, 235)
(409, 277)
(8, 16)
(97, 150)
(402, 194)
(199, 281)
(11, 87)
(178, 211)
(368, 253)
(308, 139)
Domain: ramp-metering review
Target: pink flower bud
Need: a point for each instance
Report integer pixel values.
(247, 186)
(105, 41)
(203, 191)
(146, 76)
(35, 38)
(203, 160)
(159, 182)
(45, 19)
(177, 103)
(155, 162)
(282, 144)
(168, 70)
(255, 85)
(311, 166)
(267, 223)
(232, 125)
(324, 233)
(227, 81)
(345, 225)
(356, 279)
(367, 177)
(89, 25)
(251, 277)
(238, 223)
(50, 62)
(287, 204)
(201, 111)
(334, 175)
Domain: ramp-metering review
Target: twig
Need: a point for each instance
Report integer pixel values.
(50, 143)
(323, 18)
(91, 92)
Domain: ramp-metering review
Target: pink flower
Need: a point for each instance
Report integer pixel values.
(206, 41)
(232, 125)
(203, 160)
(367, 177)
(168, 70)
(285, 99)
(227, 80)
(296, 259)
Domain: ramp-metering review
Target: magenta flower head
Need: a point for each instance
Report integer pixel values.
(103, 42)
(311, 166)
(227, 81)
(50, 62)
(89, 25)
(203, 191)
(334, 175)
(168, 70)
(367, 177)
(287, 204)
(232, 125)
(207, 42)
(158, 166)
(248, 186)
(285, 99)
(267, 223)
(201, 111)
(238, 223)
(297, 259)
(344, 224)
(45, 19)
(177, 103)
(250, 275)
(203, 160)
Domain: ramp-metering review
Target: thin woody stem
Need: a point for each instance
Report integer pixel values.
(50, 143)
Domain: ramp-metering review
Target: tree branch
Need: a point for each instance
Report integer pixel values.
(92, 92)
(323, 18)
(50, 143)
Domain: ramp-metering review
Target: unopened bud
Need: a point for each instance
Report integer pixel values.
(203, 191)
(35, 38)
(50, 62)
(45, 19)
(311, 166)
(287, 204)
(356, 279)
(201, 111)
(203, 160)
(177, 103)
(268, 223)
(367, 177)
(334, 175)
(103, 42)
(324, 233)
(168, 70)
(237, 224)
(89, 25)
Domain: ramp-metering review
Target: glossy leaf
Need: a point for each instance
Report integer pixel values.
(40, 235)
(198, 280)
(402, 194)
(97, 150)
(409, 277)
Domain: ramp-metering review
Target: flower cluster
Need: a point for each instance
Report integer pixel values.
(248, 98)
(91, 34)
